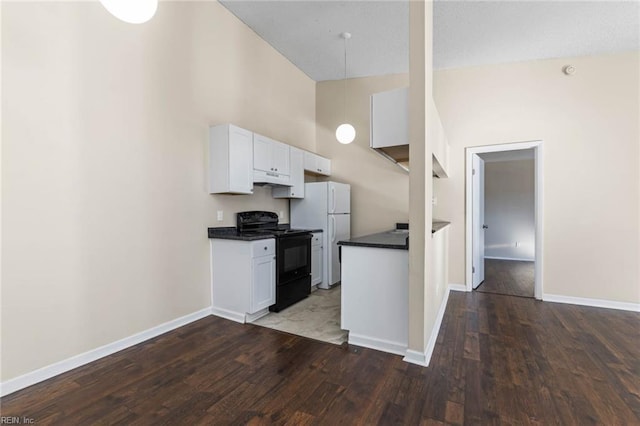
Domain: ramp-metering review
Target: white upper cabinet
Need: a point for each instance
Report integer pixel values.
(270, 161)
(390, 118)
(316, 164)
(230, 160)
(439, 140)
(296, 190)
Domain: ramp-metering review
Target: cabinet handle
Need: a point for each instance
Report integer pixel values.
(271, 168)
(276, 169)
(265, 248)
(319, 170)
(293, 193)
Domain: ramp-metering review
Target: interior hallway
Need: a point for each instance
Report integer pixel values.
(508, 277)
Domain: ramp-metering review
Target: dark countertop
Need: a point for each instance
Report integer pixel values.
(231, 233)
(437, 225)
(394, 239)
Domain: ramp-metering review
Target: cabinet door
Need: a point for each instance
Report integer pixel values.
(240, 160)
(390, 118)
(315, 164)
(316, 259)
(296, 190)
(262, 153)
(310, 161)
(280, 158)
(263, 286)
(230, 160)
(323, 166)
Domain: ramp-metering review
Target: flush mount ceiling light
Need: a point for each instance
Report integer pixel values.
(345, 133)
(131, 11)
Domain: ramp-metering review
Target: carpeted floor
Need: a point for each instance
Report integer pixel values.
(316, 317)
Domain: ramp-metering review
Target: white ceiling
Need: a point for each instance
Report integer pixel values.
(466, 33)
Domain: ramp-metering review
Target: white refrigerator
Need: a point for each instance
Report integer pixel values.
(326, 206)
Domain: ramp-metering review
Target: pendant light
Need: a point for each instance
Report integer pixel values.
(345, 133)
(131, 11)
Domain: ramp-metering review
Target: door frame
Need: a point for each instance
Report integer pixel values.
(539, 190)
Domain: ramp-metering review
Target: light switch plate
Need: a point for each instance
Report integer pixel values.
(220, 215)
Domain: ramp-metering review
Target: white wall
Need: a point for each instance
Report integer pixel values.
(589, 126)
(509, 204)
(104, 153)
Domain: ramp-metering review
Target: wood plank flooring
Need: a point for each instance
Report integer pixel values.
(509, 277)
(498, 360)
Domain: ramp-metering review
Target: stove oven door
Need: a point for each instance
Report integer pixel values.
(293, 258)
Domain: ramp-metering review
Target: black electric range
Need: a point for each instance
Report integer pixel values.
(293, 255)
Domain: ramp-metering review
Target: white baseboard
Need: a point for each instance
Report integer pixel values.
(519, 259)
(436, 328)
(415, 357)
(596, 303)
(457, 287)
(255, 317)
(423, 359)
(377, 344)
(227, 314)
(44, 373)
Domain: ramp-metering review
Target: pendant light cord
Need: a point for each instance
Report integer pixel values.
(345, 80)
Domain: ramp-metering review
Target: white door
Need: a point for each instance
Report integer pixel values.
(339, 201)
(478, 225)
(339, 229)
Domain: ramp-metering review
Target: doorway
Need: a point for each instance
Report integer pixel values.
(504, 246)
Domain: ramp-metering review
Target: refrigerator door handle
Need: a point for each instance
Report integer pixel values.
(333, 200)
(333, 229)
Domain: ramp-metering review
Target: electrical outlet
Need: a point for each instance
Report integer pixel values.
(434, 201)
(281, 215)
(220, 215)
(517, 243)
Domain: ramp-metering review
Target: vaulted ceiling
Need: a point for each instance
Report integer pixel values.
(466, 33)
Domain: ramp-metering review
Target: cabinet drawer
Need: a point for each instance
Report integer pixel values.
(263, 248)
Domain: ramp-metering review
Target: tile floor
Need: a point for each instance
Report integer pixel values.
(316, 317)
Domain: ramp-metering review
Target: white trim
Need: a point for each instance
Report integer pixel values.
(227, 314)
(49, 371)
(457, 287)
(436, 327)
(378, 344)
(539, 208)
(254, 317)
(415, 357)
(423, 359)
(596, 303)
(518, 259)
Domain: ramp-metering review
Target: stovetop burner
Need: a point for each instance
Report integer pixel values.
(261, 223)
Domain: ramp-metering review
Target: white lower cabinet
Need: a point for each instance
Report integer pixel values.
(243, 278)
(263, 283)
(316, 258)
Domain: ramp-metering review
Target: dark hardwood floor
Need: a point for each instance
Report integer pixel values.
(498, 360)
(509, 277)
